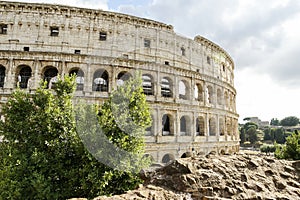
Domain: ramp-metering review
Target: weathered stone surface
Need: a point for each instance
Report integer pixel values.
(214, 177)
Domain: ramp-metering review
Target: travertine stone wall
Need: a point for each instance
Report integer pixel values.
(189, 82)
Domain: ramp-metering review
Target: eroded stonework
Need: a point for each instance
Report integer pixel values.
(189, 83)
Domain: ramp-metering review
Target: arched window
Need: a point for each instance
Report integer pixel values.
(221, 126)
(198, 92)
(50, 75)
(183, 90)
(100, 81)
(183, 129)
(167, 158)
(2, 76)
(166, 86)
(123, 76)
(212, 127)
(147, 84)
(79, 78)
(23, 76)
(200, 126)
(166, 125)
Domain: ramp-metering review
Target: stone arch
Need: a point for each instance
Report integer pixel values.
(210, 94)
(148, 86)
(123, 76)
(166, 87)
(79, 78)
(50, 76)
(23, 75)
(183, 90)
(222, 152)
(167, 158)
(228, 126)
(219, 96)
(212, 126)
(221, 126)
(185, 125)
(200, 126)
(198, 92)
(2, 75)
(167, 125)
(100, 80)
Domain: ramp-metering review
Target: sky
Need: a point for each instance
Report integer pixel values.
(262, 37)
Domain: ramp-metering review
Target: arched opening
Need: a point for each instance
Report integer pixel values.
(222, 152)
(123, 76)
(219, 97)
(200, 126)
(2, 75)
(212, 127)
(100, 81)
(183, 126)
(198, 92)
(23, 76)
(166, 86)
(166, 125)
(79, 78)
(147, 84)
(167, 158)
(228, 126)
(183, 90)
(222, 126)
(50, 76)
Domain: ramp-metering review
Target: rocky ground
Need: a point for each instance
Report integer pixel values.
(241, 176)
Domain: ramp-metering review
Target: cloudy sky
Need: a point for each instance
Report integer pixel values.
(262, 36)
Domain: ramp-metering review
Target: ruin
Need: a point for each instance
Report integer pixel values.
(189, 83)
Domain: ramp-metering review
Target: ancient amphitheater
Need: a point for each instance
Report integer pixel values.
(189, 83)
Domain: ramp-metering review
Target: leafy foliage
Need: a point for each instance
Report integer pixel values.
(268, 148)
(289, 121)
(291, 149)
(275, 122)
(42, 156)
(249, 132)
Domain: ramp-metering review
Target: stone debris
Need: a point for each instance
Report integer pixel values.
(239, 176)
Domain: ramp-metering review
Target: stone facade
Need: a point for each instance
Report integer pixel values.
(189, 83)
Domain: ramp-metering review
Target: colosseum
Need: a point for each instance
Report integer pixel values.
(189, 83)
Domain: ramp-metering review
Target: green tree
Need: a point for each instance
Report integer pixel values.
(275, 122)
(289, 121)
(291, 149)
(43, 157)
(267, 134)
(252, 134)
(279, 135)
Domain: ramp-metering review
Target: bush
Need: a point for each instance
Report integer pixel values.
(291, 149)
(268, 148)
